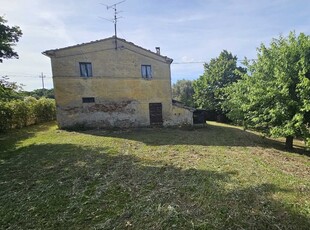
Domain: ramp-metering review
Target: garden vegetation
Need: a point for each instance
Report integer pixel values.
(18, 110)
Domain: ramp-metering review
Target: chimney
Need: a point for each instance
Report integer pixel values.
(157, 50)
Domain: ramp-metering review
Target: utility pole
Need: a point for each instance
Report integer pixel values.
(42, 77)
(113, 6)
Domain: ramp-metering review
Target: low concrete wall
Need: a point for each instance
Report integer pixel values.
(180, 117)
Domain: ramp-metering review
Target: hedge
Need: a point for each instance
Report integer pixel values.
(29, 111)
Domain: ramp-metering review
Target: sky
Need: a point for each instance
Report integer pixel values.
(186, 30)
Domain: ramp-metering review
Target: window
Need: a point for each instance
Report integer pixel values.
(86, 69)
(146, 71)
(88, 99)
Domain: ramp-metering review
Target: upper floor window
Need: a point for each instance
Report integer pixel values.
(146, 71)
(86, 69)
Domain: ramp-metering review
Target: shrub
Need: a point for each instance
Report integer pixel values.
(30, 102)
(21, 113)
(45, 110)
(6, 113)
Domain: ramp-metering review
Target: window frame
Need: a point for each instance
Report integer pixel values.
(86, 66)
(146, 72)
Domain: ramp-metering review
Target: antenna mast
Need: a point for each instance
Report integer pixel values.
(113, 6)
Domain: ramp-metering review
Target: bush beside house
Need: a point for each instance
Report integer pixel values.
(29, 111)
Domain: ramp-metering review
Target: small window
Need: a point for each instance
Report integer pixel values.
(86, 69)
(146, 71)
(88, 99)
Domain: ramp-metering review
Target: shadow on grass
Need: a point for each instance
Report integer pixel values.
(211, 135)
(66, 186)
(10, 139)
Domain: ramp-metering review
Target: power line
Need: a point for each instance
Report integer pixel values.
(202, 62)
(188, 62)
(22, 76)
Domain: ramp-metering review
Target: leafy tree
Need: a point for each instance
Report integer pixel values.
(38, 93)
(9, 90)
(275, 95)
(8, 37)
(183, 91)
(218, 74)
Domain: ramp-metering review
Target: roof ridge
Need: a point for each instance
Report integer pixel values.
(79, 44)
(105, 39)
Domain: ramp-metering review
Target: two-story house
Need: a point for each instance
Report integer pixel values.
(114, 83)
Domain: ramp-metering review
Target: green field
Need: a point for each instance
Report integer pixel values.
(215, 177)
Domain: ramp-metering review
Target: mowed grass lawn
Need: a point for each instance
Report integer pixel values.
(215, 177)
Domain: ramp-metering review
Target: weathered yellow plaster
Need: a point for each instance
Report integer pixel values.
(121, 95)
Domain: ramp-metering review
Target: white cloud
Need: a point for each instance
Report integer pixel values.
(195, 30)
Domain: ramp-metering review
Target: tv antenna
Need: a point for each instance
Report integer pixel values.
(113, 6)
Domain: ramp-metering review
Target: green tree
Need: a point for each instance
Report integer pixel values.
(218, 74)
(9, 90)
(183, 91)
(8, 37)
(38, 93)
(275, 95)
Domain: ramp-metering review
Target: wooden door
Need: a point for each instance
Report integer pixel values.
(156, 113)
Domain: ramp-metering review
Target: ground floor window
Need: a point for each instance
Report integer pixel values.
(88, 99)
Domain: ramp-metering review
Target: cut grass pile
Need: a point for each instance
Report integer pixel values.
(216, 177)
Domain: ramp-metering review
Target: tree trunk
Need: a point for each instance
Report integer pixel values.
(289, 142)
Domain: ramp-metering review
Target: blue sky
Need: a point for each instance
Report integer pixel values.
(186, 31)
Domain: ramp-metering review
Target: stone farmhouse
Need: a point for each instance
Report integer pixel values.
(114, 83)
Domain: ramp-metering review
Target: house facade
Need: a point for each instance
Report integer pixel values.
(113, 83)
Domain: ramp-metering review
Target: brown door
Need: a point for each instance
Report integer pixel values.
(156, 113)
